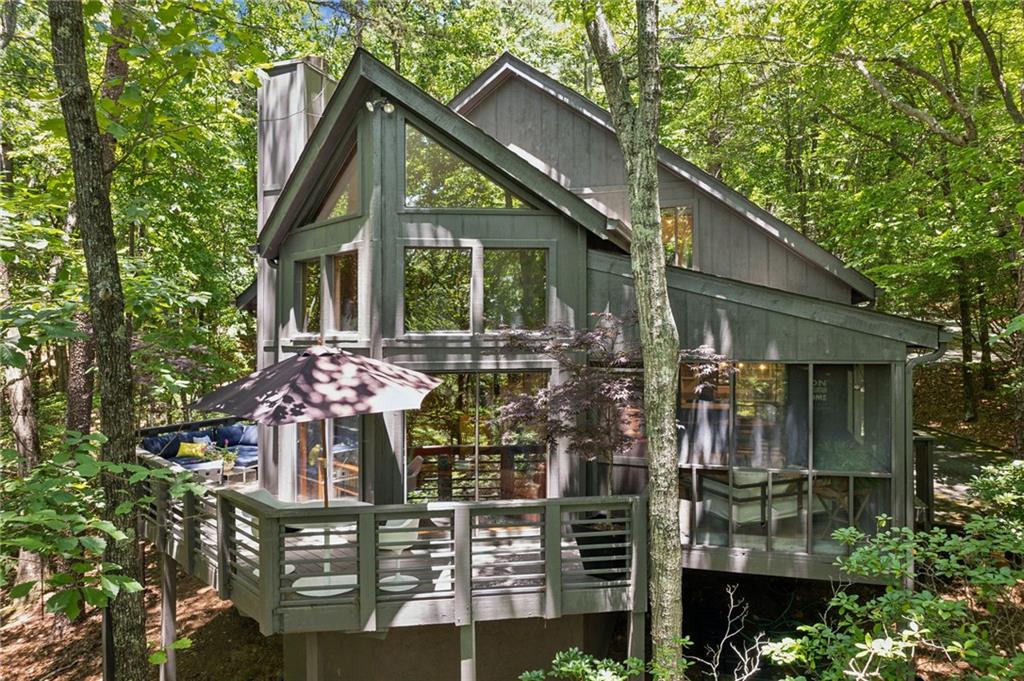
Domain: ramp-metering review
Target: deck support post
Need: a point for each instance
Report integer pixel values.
(552, 559)
(312, 656)
(224, 536)
(635, 646)
(168, 615)
(467, 652)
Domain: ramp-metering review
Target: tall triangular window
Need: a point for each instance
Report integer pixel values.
(344, 197)
(437, 178)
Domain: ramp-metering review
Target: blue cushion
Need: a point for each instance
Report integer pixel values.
(165, 445)
(250, 436)
(193, 464)
(229, 434)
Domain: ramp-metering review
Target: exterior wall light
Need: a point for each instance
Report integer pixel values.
(386, 105)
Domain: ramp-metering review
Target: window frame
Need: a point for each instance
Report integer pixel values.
(476, 287)
(295, 430)
(676, 206)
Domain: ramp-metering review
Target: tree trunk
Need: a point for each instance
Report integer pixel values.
(966, 344)
(19, 393)
(18, 387)
(81, 355)
(110, 329)
(1018, 345)
(988, 381)
(636, 124)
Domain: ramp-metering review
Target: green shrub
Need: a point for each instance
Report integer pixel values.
(952, 595)
(1002, 489)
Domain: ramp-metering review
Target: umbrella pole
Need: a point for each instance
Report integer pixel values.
(323, 462)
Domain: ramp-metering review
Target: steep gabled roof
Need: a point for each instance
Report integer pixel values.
(365, 71)
(508, 66)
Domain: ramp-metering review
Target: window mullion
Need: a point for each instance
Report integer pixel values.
(476, 291)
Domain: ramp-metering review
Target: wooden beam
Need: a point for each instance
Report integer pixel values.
(168, 615)
(636, 646)
(552, 560)
(467, 652)
(463, 567)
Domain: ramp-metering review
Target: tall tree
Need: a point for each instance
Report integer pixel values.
(635, 114)
(106, 308)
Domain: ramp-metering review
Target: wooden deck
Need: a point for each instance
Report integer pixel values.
(363, 568)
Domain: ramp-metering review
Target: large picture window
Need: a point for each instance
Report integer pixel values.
(437, 178)
(437, 289)
(458, 452)
(307, 296)
(515, 288)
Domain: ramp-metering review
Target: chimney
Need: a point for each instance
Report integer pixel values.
(292, 97)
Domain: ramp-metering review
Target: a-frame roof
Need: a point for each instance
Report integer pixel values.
(509, 66)
(365, 72)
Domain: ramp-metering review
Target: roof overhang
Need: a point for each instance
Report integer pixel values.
(916, 334)
(509, 66)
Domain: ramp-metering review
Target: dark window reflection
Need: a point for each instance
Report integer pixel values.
(771, 415)
(515, 288)
(437, 178)
(346, 291)
(852, 414)
(344, 197)
(704, 413)
(308, 296)
(437, 285)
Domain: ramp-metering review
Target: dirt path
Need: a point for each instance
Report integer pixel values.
(956, 461)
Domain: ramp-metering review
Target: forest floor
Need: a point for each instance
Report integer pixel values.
(939, 405)
(225, 645)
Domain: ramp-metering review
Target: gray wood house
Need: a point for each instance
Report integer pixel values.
(398, 227)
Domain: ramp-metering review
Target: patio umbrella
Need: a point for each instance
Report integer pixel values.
(319, 384)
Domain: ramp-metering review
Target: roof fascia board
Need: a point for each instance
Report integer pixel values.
(508, 65)
(910, 331)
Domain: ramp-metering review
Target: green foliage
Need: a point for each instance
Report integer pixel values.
(55, 511)
(1001, 488)
(952, 595)
(574, 665)
(159, 656)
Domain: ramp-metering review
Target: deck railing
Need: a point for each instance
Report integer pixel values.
(369, 568)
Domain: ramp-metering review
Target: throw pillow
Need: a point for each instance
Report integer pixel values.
(191, 449)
